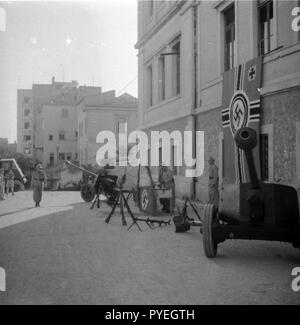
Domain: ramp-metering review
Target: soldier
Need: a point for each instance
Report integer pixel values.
(166, 182)
(213, 182)
(10, 183)
(2, 185)
(38, 181)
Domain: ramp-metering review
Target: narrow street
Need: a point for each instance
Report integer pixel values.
(64, 253)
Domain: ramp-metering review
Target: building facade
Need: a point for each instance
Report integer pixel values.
(184, 49)
(25, 122)
(7, 149)
(47, 120)
(103, 112)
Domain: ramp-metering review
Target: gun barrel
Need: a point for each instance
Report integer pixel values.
(67, 162)
(246, 139)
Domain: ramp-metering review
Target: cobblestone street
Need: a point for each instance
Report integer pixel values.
(64, 253)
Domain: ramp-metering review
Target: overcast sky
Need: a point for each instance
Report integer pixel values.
(91, 42)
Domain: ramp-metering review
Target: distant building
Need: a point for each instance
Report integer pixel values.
(25, 122)
(184, 49)
(3, 142)
(102, 112)
(7, 149)
(47, 120)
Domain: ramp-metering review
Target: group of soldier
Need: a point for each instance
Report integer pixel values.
(7, 183)
(166, 180)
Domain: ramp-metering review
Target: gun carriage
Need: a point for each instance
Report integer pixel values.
(255, 210)
(112, 186)
(146, 193)
(93, 183)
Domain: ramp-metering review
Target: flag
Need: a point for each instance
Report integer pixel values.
(241, 107)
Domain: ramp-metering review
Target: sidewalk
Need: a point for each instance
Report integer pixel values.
(20, 207)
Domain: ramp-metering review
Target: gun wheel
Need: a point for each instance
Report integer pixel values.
(210, 244)
(87, 193)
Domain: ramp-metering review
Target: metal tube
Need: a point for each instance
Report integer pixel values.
(67, 162)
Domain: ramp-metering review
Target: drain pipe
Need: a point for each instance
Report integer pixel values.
(195, 85)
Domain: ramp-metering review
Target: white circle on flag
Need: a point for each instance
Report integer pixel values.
(145, 199)
(239, 111)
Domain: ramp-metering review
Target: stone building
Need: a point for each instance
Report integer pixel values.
(184, 49)
(24, 122)
(47, 120)
(103, 112)
(7, 149)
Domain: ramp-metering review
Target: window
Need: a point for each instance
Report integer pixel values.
(160, 156)
(176, 68)
(26, 125)
(150, 7)
(26, 100)
(230, 43)
(76, 135)
(50, 137)
(27, 137)
(26, 112)
(174, 153)
(65, 113)
(121, 129)
(264, 156)
(61, 156)
(69, 156)
(62, 136)
(266, 28)
(51, 159)
(150, 85)
(162, 78)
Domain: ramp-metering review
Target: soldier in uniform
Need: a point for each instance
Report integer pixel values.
(166, 182)
(38, 181)
(213, 182)
(10, 183)
(2, 184)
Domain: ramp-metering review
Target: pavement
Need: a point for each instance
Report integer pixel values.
(64, 253)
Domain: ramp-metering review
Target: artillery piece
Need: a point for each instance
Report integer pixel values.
(255, 210)
(93, 184)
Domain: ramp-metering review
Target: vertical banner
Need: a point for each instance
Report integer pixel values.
(240, 107)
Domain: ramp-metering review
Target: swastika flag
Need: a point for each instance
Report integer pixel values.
(240, 107)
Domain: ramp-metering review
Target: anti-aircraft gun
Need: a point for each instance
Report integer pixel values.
(254, 210)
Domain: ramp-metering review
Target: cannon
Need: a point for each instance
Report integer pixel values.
(94, 183)
(251, 210)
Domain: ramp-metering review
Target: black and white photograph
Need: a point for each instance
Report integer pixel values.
(150, 155)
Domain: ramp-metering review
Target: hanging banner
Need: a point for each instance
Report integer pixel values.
(240, 107)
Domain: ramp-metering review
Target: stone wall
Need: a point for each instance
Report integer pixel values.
(210, 122)
(282, 111)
